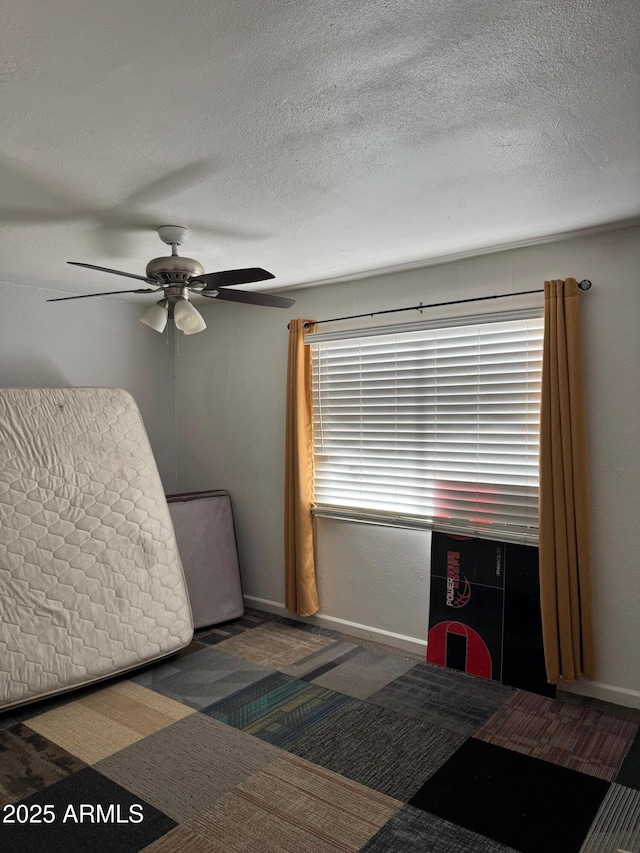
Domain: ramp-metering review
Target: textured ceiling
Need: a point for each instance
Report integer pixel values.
(316, 139)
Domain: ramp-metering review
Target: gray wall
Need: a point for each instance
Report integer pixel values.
(230, 389)
(230, 420)
(95, 342)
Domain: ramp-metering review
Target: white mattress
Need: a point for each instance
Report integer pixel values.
(91, 583)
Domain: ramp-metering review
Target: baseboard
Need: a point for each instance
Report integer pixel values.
(593, 689)
(604, 692)
(365, 632)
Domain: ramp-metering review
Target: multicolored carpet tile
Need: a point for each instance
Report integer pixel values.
(579, 738)
(280, 709)
(267, 735)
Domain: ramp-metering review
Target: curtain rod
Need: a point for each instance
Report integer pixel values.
(585, 284)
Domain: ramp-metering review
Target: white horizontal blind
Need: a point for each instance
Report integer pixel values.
(440, 424)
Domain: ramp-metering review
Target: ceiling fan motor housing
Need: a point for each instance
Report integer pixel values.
(173, 269)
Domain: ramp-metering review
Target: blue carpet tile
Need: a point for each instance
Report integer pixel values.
(280, 709)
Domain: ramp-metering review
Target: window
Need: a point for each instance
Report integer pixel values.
(435, 426)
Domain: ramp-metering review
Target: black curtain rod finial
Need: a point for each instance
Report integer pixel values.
(585, 284)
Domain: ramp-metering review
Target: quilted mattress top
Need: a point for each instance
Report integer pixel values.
(90, 578)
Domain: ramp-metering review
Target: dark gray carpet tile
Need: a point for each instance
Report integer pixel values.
(414, 831)
(378, 748)
(360, 674)
(124, 823)
(453, 700)
(201, 678)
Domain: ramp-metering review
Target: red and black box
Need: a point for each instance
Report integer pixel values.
(484, 614)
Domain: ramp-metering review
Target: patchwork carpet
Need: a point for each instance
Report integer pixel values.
(267, 735)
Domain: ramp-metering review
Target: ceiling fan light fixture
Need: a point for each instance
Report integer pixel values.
(178, 278)
(187, 318)
(156, 316)
(199, 328)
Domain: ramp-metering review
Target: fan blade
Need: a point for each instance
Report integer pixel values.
(251, 298)
(108, 293)
(115, 272)
(226, 278)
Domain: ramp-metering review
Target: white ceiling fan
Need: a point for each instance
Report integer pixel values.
(178, 278)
